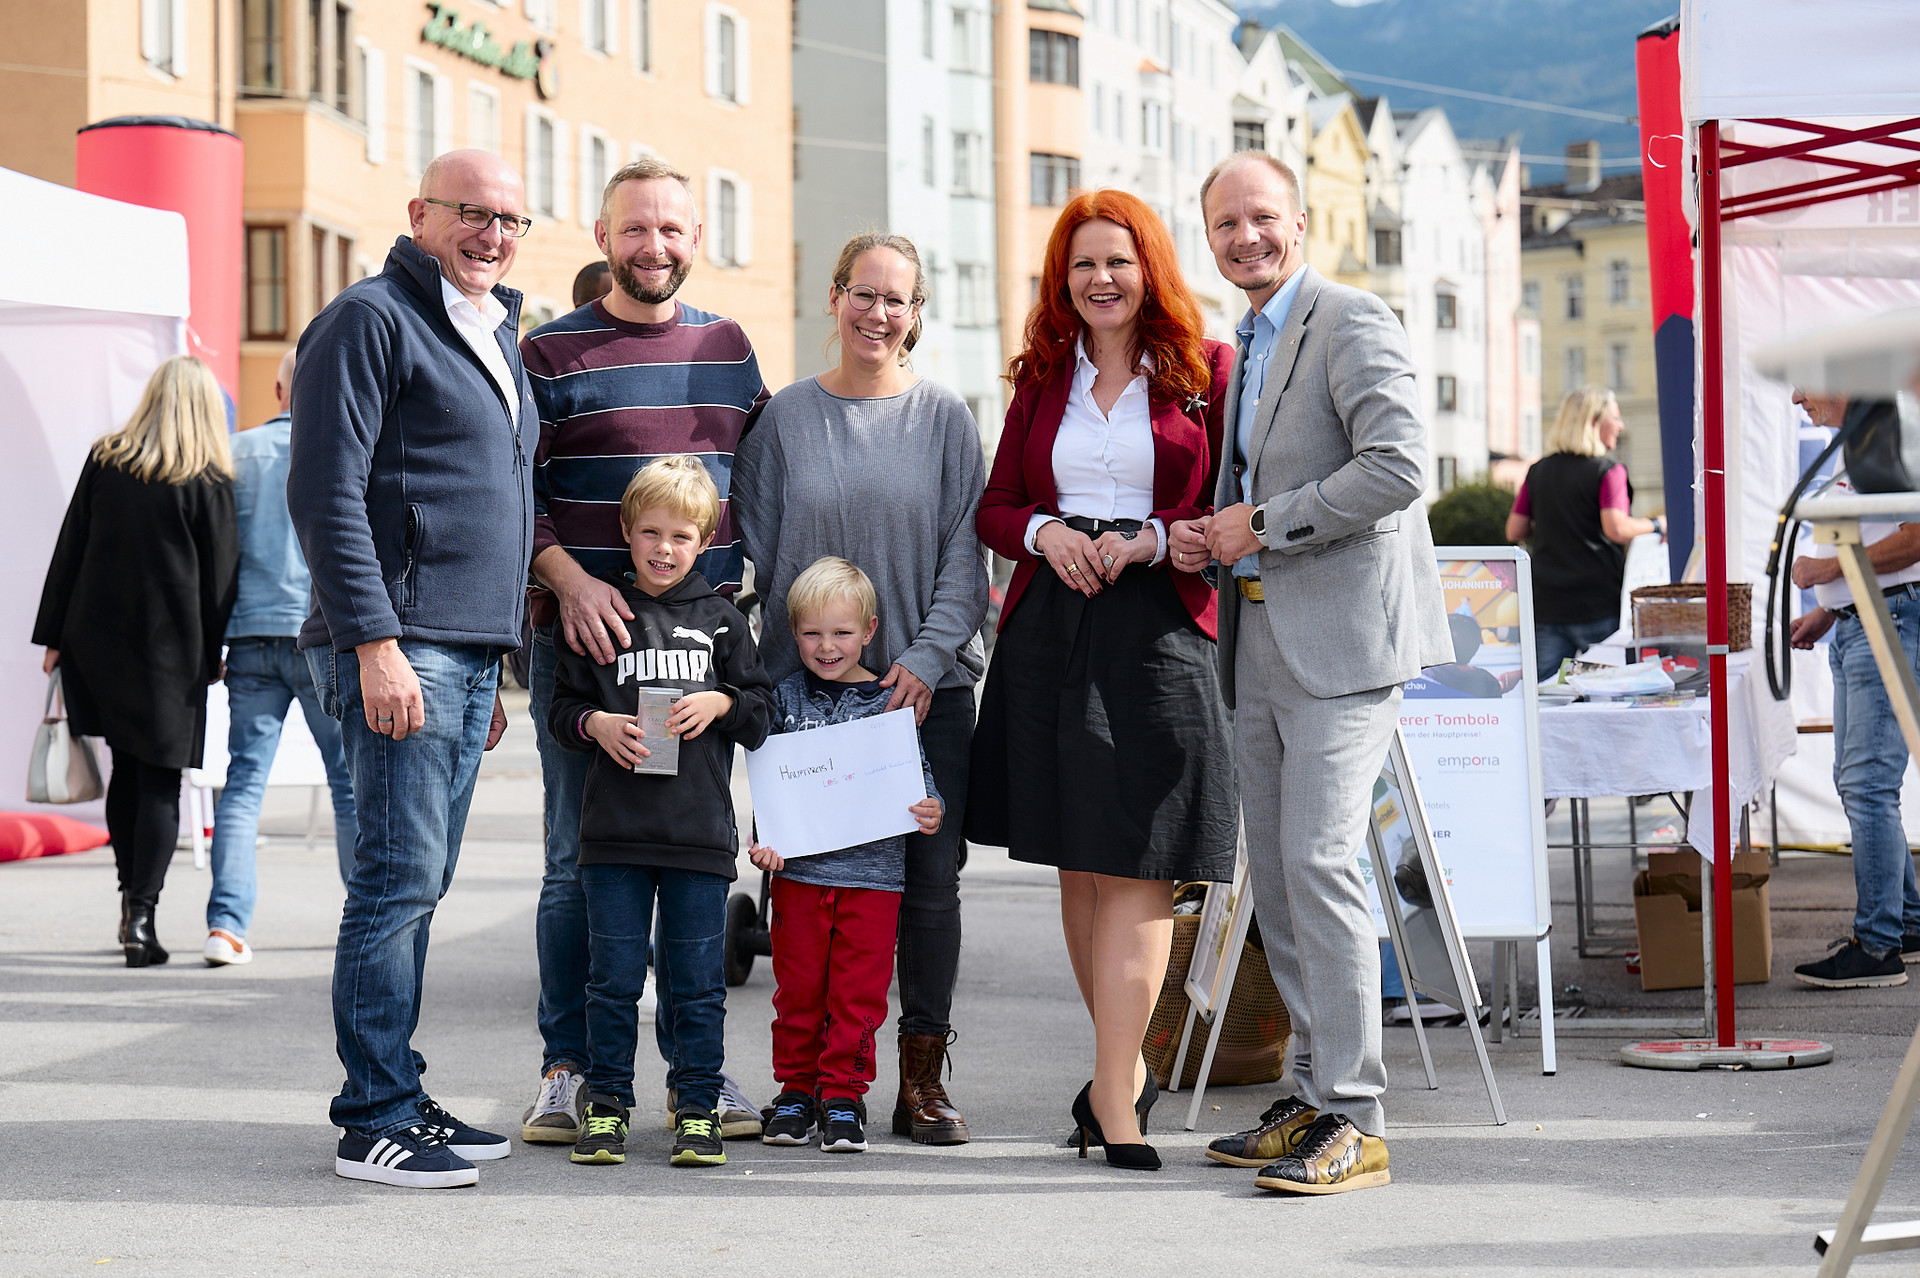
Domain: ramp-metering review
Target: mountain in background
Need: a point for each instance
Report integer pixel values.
(1576, 53)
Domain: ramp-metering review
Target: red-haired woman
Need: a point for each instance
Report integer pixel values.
(1103, 747)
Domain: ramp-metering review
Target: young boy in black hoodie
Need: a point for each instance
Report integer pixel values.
(648, 835)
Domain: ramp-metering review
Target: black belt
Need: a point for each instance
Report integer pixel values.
(1128, 528)
(1906, 589)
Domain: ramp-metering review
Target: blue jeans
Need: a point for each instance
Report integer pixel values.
(1553, 644)
(412, 797)
(1869, 760)
(693, 937)
(264, 676)
(560, 921)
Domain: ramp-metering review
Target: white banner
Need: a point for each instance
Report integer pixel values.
(836, 787)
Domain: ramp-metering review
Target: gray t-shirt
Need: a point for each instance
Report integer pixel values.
(891, 484)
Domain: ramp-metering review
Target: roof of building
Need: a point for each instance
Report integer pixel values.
(1316, 70)
(1621, 186)
(1054, 6)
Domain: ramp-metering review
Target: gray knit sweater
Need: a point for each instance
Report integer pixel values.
(891, 484)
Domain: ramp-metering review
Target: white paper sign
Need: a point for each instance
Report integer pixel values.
(835, 787)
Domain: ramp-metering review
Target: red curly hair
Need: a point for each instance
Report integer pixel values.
(1169, 327)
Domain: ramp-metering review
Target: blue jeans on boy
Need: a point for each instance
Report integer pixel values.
(412, 798)
(1869, 760)
(560, 920)
(692, 936)
(265, 675)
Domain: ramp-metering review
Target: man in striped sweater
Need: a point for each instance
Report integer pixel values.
(632, 376)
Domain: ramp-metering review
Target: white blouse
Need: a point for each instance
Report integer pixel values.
(1103, 462)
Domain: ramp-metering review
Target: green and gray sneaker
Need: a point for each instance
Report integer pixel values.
(696, 1139)
(603, 1138)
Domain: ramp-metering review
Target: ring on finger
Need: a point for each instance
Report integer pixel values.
(1073, 567)
(1108, 561)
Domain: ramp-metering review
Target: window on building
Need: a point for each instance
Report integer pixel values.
(266, 283)
(929, 161)
(1446, 312)
(729, 219)
(1399, 315)
(1249, 135)
(1051, 179)
(1620, 367)
(330, 43)
(926, 29)
(727, 54)
(1386, 246)
(1447, 399)
(332, 265)
(969, 163)
(596, 25)
(1576, 286)
(597, 163)
(972, 295)
(1099, 109)
(1619, 282)
(483, 118)
(643, 36)
(262, 68)
(1447, 472)
(542, 150)
(1530, 295)
(1053, 57)
(1575, 368)
(1153, 127)
(967, 53)
(1529, 354)
(1119, 116)
(373, 99)
(423, 108)
(163, 35)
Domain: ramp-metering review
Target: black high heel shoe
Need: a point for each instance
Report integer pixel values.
(1133, 1157)
(142, 946)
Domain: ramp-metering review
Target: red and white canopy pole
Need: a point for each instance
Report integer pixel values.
(1713, 431)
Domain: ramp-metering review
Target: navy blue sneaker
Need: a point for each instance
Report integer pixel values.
(793, 1119)
(845, 1128)
(413, 1159)
(468, 1142)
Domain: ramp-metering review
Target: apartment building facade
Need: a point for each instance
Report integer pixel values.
(341, 105)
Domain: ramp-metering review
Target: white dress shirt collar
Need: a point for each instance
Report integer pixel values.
(477, 325)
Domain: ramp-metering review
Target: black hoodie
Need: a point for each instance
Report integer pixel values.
(691, 639)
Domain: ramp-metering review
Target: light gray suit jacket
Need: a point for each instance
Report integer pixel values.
(1339, 459)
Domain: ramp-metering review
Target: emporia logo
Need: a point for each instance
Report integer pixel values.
(1468, 762)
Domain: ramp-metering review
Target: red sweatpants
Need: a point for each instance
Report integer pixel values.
(832, 964)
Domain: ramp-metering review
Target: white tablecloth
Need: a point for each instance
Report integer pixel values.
(1596, 750)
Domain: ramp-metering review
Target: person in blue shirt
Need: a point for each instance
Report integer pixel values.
(264, 674)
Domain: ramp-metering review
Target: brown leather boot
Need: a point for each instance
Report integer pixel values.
(923, 1111)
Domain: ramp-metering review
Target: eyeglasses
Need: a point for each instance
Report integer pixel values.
(863, 298)
(479, 217)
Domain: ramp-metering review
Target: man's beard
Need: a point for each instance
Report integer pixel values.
(628, 281)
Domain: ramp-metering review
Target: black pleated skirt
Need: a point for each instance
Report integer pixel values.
(1103, 744)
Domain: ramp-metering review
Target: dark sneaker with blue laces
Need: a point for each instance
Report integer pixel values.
(412, 1158)
(793, 1119)
(696, 1139)
(603, 1132)
(1910, 948)
(845, 1128)
(468, 1142)
(1850, 965)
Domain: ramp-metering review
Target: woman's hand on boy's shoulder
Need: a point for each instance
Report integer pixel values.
(766, 858)
(929, 814)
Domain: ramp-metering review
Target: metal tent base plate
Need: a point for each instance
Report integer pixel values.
(1750, 1053)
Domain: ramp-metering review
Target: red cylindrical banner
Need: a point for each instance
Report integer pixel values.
(193, 168)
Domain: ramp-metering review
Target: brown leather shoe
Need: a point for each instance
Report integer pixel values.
(1274, 1136)
(923, 1111)
(1332, 1157)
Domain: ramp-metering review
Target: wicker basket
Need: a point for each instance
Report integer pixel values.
(1253, 1042)
(1681, 609)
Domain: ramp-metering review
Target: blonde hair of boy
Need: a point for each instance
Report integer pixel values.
(1577, 429)
(680, 484)
(829, 580)
(179, 431)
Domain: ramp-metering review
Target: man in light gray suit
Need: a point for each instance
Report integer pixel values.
(1329, 600)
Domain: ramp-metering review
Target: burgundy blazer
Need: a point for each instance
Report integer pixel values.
(1186, 452)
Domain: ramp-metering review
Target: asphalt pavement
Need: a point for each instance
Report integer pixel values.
(173, 1121)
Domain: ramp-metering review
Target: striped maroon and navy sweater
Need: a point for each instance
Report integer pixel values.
(613, 396)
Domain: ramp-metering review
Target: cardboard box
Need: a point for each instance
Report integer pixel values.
(1666, 914)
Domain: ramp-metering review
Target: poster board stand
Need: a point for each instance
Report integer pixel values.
(1224, 922)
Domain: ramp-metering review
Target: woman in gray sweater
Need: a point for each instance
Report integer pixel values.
(873, 463)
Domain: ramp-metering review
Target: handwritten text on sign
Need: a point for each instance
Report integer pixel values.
(838, 786)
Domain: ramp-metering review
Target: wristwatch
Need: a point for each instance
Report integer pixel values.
(1258, 522)
(1659, 526)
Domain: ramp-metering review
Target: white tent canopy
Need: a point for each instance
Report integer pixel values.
(1766, 59)
(86, 314)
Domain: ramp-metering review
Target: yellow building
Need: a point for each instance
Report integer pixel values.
(339, 105)
(1583, 271)
(1336, 192)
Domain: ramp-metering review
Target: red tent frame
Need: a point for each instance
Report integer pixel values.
(1851, 176)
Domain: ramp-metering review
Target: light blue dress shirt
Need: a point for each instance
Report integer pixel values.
(1259, 334)
(273, 574)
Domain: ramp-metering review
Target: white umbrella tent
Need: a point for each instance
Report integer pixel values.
(92, 300)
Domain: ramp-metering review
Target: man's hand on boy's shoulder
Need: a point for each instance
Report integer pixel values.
(619, 735)
(693, 712)
(929, 814)
(591, 610)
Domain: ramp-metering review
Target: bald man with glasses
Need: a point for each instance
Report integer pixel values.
(411, 491)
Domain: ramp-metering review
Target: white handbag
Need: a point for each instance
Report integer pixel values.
(64, 768)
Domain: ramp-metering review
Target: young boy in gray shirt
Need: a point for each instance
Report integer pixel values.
(834, 915)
